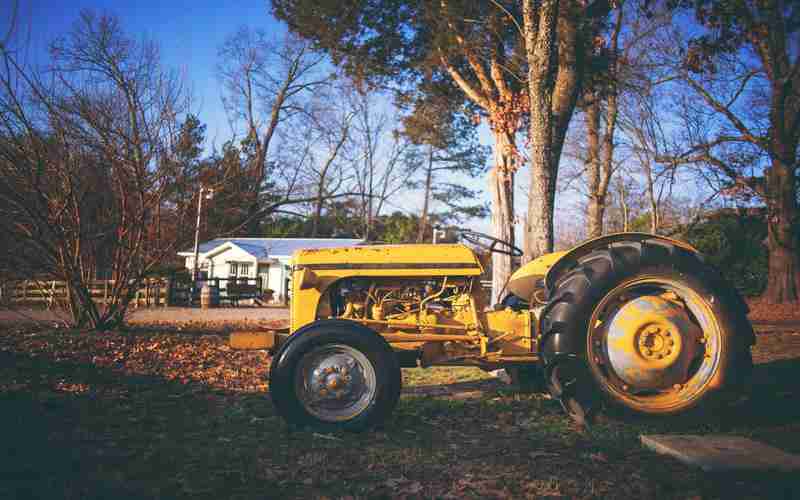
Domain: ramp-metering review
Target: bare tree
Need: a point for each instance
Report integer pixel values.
(601, 108)
(81, 179)
(743, 124)
(446, 151)
(379, 155)
(266, 82)
(646, 139)
(331, 134)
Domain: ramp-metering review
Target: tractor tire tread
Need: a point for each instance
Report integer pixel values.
(576, 292)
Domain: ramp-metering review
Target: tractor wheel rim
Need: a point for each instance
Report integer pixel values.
(336, 382)
(650, 342)
(625, 347)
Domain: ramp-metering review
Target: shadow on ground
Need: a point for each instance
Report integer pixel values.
(73, 429)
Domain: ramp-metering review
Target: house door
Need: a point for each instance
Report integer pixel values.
(263, 273)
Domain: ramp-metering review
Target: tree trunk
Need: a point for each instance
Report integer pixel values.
(623, 203)
(540, 197)
(317, 209)
(596, 207)
(541, 47)
(423, 218)
(783, 282)
(655, 219)
(596, 214)
(501, 188)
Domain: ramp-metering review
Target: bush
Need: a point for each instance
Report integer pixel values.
(735, 243)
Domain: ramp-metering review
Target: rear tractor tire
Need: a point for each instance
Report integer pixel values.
(653, 329)
(335, 375)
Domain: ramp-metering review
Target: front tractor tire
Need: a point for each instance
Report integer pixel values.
(653, 329)
(335, 375)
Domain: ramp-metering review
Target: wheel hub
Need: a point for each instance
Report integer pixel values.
(651, 342)
(336, 383)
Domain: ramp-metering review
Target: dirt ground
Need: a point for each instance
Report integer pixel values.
(175, 413)
(161, 315)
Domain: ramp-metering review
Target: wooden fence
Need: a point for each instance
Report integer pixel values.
(153, 292)
(49, 293)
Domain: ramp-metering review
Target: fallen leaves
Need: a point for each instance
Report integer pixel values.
(762, 311)
(113, 400)
(183, 357)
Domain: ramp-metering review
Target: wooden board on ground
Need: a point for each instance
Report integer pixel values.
(252, 340)
(722, 453)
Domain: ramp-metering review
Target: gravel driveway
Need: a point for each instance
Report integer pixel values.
(163, 315)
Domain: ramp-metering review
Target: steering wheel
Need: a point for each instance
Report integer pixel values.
(490, 243)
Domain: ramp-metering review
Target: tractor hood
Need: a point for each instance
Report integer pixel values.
(431, 260)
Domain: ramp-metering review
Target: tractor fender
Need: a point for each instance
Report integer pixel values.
(545, 270)
(569, 258)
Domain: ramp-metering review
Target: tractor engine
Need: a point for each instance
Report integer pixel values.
(430, 306)
(436, 320)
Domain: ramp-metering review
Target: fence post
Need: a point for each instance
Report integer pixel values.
(168, 297)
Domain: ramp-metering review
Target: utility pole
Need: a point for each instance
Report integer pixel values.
(195, 267)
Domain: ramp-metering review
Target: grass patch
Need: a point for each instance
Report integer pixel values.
(147, 415)
(436, 375)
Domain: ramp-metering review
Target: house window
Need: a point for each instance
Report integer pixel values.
(239, 269)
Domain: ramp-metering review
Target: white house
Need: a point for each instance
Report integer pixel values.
(267, 258)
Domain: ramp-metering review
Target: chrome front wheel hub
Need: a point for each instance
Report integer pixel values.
(335, 382)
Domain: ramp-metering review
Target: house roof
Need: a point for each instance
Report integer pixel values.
(274, 247)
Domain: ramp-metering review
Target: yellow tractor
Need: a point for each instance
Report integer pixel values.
(639, 319)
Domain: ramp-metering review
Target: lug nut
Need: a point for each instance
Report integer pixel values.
(668, 352)
(668, 333)
(660, 356)
(670, 342)
(648, 352)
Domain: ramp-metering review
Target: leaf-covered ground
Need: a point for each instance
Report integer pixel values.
(762, 311)
(175, 413)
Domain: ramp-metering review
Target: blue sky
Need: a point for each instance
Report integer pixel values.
(188, 33)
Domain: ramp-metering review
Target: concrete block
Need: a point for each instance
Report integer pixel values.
(722, 453)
